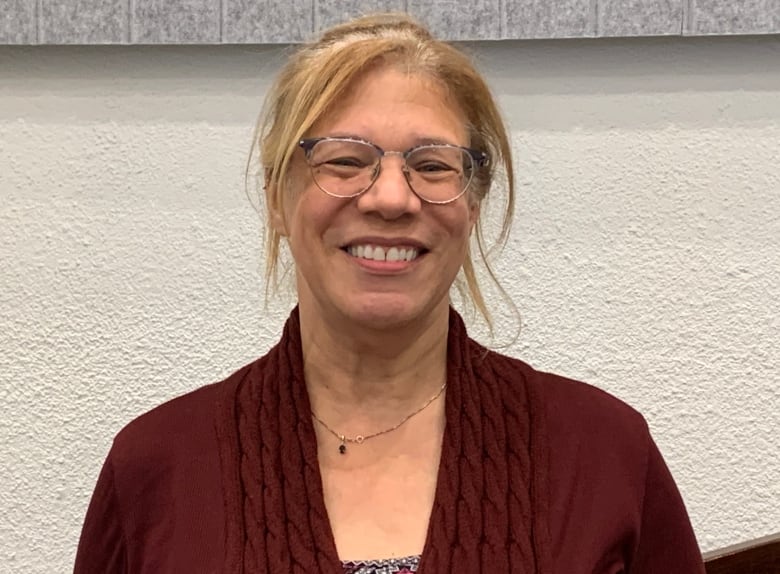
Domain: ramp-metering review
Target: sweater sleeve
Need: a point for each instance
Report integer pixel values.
(102, 548)
(666, 540)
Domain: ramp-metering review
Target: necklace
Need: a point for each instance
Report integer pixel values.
(360, 439)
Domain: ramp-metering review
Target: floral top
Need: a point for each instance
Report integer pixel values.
(407, 565)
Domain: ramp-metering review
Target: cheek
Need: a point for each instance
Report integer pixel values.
(299, 198)
(296, 188)
(314, 221)
(460, 220)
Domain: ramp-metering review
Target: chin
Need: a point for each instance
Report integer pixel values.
(384, 311)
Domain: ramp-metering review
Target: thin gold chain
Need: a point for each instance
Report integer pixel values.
(360, 439)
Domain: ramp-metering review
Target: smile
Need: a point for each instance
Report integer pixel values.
(379, 253)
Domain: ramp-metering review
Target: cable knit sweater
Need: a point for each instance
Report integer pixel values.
(538, 474)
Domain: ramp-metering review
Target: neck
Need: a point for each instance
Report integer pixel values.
(358, 375)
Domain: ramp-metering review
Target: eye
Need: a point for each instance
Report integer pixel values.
(346, 162)
(431, 167)
(342, 156)
(436, 161)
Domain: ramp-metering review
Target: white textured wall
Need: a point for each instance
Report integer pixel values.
(645, 256)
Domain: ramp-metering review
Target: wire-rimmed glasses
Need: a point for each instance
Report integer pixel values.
(346, 167)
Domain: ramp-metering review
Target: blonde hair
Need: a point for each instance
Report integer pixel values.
(319, 73)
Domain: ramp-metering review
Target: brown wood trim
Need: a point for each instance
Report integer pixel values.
(759, 556)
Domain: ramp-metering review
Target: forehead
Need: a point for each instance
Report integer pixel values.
(395, 108)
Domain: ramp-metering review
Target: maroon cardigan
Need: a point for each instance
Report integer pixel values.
(538, 474)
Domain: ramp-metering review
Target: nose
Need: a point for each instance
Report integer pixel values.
(390, 196)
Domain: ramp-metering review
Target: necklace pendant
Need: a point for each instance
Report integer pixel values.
(360, 439)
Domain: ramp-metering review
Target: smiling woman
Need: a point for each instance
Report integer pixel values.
(376, 436)
(391, 209)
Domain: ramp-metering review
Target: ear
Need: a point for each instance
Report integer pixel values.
(275, 214)
(474, 211)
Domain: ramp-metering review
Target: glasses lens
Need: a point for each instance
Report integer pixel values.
(439, 173)
(343, 168)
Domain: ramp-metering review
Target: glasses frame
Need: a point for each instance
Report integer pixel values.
(480, 159)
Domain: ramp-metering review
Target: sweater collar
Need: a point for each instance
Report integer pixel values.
(482, 514)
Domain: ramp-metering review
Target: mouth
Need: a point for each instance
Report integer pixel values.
(390, 253)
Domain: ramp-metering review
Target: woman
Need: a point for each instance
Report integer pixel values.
(376, 436)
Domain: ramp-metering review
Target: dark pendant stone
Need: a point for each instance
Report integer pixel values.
(342, 448)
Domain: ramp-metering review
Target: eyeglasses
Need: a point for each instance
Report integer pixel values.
(347, 167)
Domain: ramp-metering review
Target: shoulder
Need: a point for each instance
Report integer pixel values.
(570, 407)
(179, 431)
(584, 433)
(575, 406)
(165, 468)
(161, 485)
(171, 421)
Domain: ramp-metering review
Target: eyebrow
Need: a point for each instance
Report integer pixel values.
(416, 142)
(430, 141)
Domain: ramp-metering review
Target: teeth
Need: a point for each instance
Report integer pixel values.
(377, 253)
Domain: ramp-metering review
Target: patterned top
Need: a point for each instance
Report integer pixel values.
(407, 565)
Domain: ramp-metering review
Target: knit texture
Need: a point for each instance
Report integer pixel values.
(491, 480)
